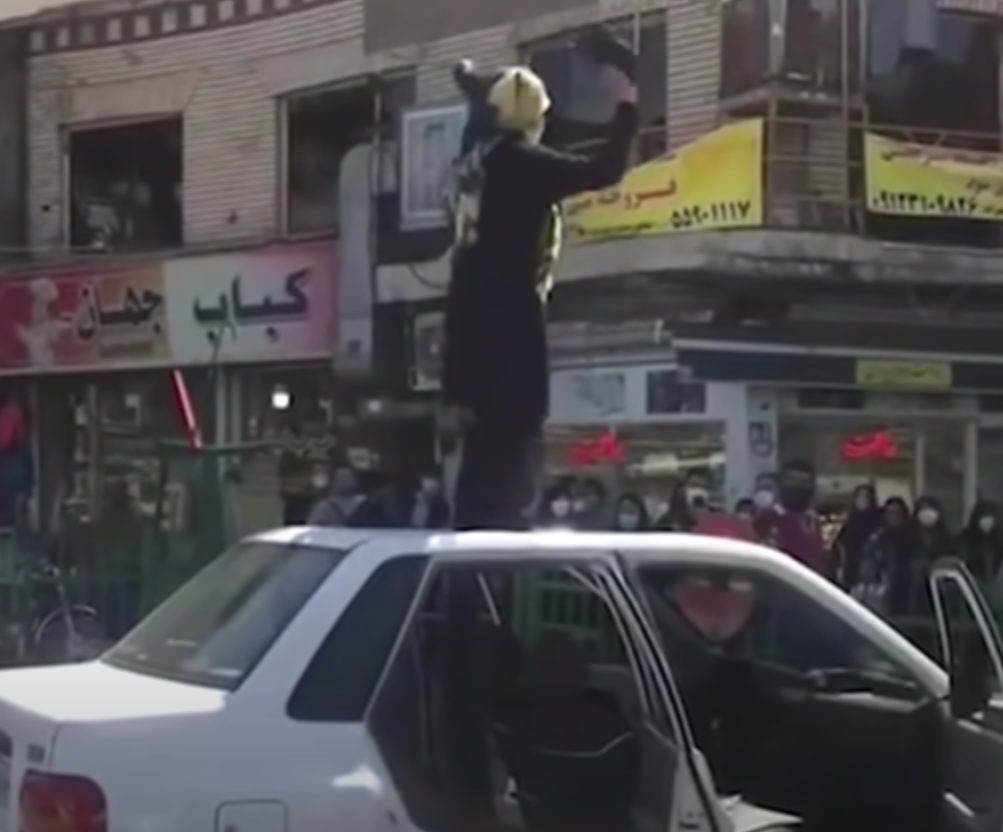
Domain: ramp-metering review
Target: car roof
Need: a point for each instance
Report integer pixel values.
(636, 547)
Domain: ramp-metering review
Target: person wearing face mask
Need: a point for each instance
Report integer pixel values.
(861, 522)
(792, 525)
(430, 509)
(590, 506)
(630, 514)
(933, 540)
(888, 553)
(556, 508)
(342, 502)
(981, 543)
(764, 494)
(745, 510)
(689, 502)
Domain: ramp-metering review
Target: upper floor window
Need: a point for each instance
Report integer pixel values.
(807, 43)
(581, 106)
(938, 71)
(322, 126)
(126, 186)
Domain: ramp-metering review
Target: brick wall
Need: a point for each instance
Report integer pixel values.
(224, 80)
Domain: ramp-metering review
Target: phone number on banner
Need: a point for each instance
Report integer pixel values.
(709, 215)
(909, 204)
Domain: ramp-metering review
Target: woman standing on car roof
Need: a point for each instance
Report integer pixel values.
(507, 225)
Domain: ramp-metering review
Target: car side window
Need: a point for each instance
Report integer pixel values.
(514, 697)
(757, 616)
(340, 679)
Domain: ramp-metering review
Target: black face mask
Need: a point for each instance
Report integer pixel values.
(796, 497)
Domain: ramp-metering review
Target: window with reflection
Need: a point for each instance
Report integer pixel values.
(808, 43)
(581, 105)
(933, 78)
(649, 461)
(322, 126)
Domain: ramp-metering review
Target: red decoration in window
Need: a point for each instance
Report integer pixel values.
(606, 449)
(877, 445)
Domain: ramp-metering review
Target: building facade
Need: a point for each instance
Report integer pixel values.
(830, 328)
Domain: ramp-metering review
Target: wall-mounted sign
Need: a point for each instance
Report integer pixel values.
(430, 145)
(914, 375)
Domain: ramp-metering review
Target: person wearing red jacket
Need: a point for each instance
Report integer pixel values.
(792, 526)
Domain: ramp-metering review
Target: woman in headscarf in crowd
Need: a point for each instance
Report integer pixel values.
(933, 540)
(887, 554)
(860, 524)
(590, 505)
(981, 542)
(630, 514)
(745, 510)
(557, 505)
(676, 517)
(764, 493)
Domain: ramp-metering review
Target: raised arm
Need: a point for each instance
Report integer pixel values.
(557, 175)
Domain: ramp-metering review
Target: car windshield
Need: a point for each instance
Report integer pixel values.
(218, 626)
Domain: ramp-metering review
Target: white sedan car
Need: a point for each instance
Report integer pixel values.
(317, 679)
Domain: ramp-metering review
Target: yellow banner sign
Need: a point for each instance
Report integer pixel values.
(914, 375)
(917, 180)
(714, 182)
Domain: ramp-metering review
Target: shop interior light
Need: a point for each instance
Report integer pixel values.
(281, 398)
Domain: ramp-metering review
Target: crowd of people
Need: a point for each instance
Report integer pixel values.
(881, 551)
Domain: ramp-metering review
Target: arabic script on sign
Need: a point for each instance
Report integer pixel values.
(713, 182)
(233, 308)
(908, 179)
(928, 375)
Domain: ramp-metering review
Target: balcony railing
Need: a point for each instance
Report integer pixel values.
(814, 178)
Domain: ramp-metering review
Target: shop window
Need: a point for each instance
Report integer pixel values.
(651, 462)
(112, 453)
(321, 128)
(126, 186)
(580, 104)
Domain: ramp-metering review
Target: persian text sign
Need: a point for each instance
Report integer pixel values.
(712, 183)
(919, 180)
(88, 317)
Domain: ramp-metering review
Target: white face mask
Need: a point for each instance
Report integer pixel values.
(580, 506)
(629, 520)
(928, 516)
(697, 497)
(560, 508)
(320, 481)
(764, 499)
(987, 523)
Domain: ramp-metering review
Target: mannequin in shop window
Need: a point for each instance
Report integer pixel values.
(17, 474)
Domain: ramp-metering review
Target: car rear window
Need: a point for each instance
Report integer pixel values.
(218, 626)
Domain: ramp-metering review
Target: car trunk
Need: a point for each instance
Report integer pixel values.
(68, 719)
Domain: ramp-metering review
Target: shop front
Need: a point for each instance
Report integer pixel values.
(911, 425)
(644, 428)
(112, 359)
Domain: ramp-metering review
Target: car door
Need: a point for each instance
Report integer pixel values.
(794, 707)
(490, 641)
(972, 652)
